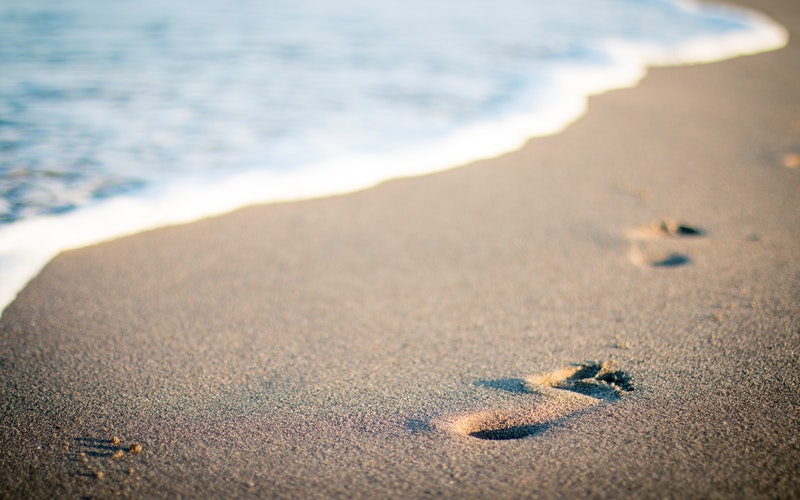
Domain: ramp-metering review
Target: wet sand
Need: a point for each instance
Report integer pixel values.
(612, 311)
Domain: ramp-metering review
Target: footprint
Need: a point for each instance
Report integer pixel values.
(665, 228)
(544, 400)
(654, 245)
(644, 255)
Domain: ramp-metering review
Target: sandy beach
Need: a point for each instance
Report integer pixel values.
(613, 311)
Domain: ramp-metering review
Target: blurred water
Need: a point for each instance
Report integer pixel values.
(196, 107)
(100, 98)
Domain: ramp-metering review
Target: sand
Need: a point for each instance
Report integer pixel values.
(431, 336)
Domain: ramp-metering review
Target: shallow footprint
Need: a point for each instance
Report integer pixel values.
(647, 251)
(645, 255)
(665, 228)
(552, 396)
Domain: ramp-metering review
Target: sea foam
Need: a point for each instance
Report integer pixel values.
(27, 245)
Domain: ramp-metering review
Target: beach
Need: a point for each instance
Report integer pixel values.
(612, 311)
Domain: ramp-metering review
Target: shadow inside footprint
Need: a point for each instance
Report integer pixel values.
(517, 432)
(594, 389)
(677, 229)
(673, 260)
(515, 385)
(673, 228)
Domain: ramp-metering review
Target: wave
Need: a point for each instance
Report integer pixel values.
(26, 246)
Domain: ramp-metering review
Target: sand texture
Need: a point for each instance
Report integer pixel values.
(613, 311)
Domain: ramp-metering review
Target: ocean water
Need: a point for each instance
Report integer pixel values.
(116, 117)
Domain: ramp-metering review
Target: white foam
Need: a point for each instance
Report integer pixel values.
(27, 246)
(764, 35)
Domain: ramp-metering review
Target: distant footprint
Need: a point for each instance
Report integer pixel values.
(544, 399)
(652, 246)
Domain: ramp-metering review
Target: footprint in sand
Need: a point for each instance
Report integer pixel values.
(544, 400)
(654, 245)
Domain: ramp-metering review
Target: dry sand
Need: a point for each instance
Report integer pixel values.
(349, 346)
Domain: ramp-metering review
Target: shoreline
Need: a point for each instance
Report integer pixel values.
(27, 245)
(430, 336)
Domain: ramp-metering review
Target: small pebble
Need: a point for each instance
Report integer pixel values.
(136, 448)
(115, 440)
(119, 454)
(99, 474)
